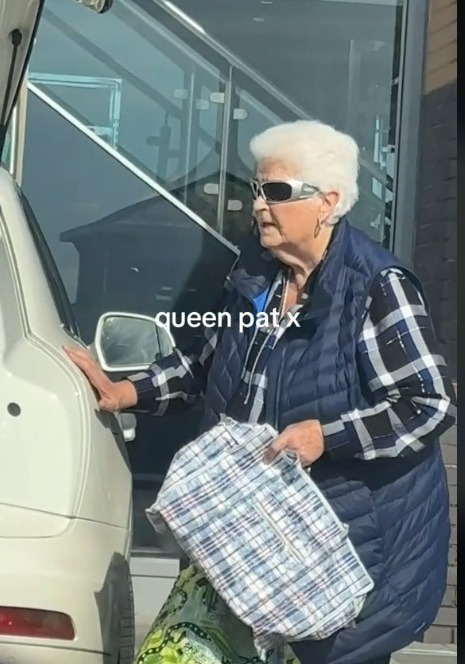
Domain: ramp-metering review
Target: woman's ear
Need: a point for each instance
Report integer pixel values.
(328, 205)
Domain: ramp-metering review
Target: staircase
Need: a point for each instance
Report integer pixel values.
(177, 105)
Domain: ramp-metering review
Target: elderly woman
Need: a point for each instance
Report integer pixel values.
(351, 378)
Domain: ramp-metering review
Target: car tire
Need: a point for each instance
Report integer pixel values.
(126, 637)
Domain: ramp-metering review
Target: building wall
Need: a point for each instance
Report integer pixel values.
(436, 243)
(436, 240)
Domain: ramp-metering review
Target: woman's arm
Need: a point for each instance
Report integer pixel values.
(413, 400)
(166, 387)
(175, 381)
(178, 380)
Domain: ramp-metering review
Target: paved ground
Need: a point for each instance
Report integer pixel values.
(427, 654)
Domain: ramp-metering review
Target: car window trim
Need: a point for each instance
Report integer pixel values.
(54, 280)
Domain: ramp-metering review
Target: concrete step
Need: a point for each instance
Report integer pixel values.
(427, 654)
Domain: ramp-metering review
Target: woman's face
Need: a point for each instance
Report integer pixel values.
(293, 223)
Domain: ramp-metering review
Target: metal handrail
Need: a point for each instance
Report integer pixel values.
(75, 36)
(121, 159)
(233, 61)
(230, 58)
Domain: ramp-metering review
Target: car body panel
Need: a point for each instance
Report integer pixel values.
(65, 478)
(18, 25)
(77, 573)
(68, 458)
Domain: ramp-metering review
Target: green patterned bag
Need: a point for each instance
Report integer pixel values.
(195, 626)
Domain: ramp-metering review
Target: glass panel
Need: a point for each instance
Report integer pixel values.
(154, 101)
(335, 60)
(7, 152)
(120, 247)
(164, 102)
(182, 109)
(250, 117)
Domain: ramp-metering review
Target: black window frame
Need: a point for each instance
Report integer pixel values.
(52, 274)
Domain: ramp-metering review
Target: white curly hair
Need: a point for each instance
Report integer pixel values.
(321, 155)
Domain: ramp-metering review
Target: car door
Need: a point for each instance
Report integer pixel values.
(71, 459)
(92, 479)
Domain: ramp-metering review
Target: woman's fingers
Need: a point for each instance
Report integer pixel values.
(84, 360)
(106, 389)
(277, 446)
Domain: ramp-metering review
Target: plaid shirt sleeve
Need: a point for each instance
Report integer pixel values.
(176, 381)
(412, 398)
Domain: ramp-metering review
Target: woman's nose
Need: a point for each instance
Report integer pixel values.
(259, 204)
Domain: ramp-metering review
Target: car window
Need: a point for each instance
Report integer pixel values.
(55, 283)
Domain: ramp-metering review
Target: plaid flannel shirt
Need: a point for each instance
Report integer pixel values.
(398, 361)
(264, 535)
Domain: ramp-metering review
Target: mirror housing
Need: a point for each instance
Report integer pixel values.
(128, 343)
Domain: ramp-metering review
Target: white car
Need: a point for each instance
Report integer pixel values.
(65, 480)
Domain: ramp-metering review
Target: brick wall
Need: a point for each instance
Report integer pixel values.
(445, 627)
(436, 232)
(436, 241)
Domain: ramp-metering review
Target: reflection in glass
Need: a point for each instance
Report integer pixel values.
(6, 160)
(154, 102)
(183, 108)
(338, 61)
(121, 248)
(130, 342)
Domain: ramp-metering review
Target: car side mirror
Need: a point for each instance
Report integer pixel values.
(128, 343)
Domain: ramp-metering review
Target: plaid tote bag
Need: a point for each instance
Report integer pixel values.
(264, 535)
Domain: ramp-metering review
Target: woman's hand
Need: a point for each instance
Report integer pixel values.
(304, 438)
(112, 396)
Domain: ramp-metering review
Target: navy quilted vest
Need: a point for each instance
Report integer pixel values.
(397, 509)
